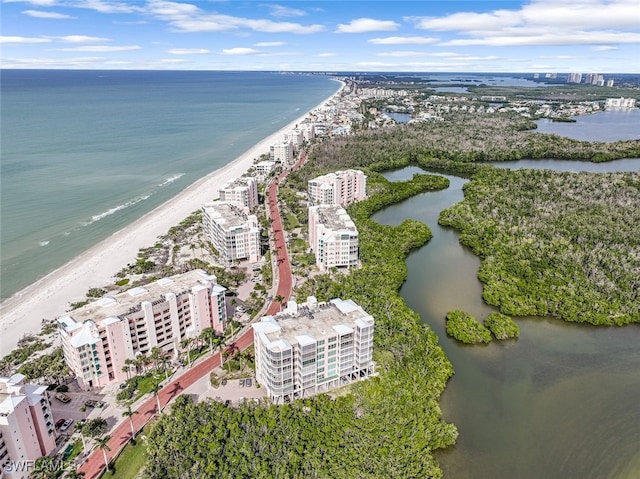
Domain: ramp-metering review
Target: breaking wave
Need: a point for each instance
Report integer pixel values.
(115, 209)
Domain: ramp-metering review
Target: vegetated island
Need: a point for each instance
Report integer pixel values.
(555, 243)
(502, 326)
(466, 329)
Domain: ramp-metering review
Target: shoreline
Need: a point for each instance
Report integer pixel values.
(50, 296)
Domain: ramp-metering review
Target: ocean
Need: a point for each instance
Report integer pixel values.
(85, 153)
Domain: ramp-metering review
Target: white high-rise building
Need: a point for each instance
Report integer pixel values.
(242, 190)
(619, 103)
(574, 78)
(98, 338)
(339, 188)
(333, 237)
(264, 169)
(295, 137)
(283, 152)
(232, 231)
(27, 429)
(312, 348)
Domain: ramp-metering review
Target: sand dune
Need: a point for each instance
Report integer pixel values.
(50, 296)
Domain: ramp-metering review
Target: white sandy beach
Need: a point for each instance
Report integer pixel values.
(50, 296)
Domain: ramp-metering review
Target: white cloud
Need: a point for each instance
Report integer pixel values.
(362, 25)
(542, 22)
(51, 62)
(173, 60)
(184, 17)
(269, 44)
(37, 3)
(281, 11)
(188, 51)
(403, 40)
(99, 48)
(553, 38)
(326, 54)
(403, 54)
(604, 48)
(16, 39)
(107, 6)
(240, 51)
(82, 39)
(51, 15)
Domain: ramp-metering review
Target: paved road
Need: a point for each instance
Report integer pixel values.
(94, 465)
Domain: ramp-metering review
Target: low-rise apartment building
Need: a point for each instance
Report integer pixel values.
(339, 188)
(99, 337)
(243, 190)
(234, 233)
(333, 237)
(27, 429)
(313, 347)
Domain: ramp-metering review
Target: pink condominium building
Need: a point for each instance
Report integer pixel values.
(98, 338)
(313, 347)
(242, 190)
(339, 188)
(26, 426)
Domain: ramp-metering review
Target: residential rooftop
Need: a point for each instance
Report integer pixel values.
(335, 218)
(108, 308)
(227, 214)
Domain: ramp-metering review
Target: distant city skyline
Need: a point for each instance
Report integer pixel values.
(473, 36)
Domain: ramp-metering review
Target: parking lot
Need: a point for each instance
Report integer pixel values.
(71, 409)
(232, 391)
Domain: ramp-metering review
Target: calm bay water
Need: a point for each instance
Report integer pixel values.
(563, 401)
(611, 125)
(84, 153)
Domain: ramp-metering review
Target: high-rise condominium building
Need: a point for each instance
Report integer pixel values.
(232, 231)
(242, 190)
(282, 152)
(98, 338)
(26, 426)
(333, 237)
(339, 188)
(312, 348)
(620, 103)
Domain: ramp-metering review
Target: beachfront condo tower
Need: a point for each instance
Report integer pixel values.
(234, 233)
(26, 426)
(339, 188)
(313, 347)
(333, 237)
(99, 337)
(242, 190)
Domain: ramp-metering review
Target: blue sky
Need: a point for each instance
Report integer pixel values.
(479, 36)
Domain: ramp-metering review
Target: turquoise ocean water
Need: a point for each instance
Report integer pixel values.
(84, 153)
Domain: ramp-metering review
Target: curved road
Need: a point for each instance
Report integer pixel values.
(93, 467)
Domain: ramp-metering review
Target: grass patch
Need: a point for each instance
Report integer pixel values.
(130, 461)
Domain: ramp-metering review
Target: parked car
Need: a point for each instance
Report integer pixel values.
(59, 423)
(66, 424)
(247, 382)
(93, 403)
(62, 397)
(242, 383)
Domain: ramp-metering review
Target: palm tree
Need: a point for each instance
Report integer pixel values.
(79, 429)
(130, 413)
(186, 343)
(155, 389)
(74, 474)
(103, 445)
(155, 356)
(125, 369)
(279, 299)
(207, 335)
(219, 343)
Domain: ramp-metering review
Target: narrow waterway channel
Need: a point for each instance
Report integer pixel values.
(562, 401)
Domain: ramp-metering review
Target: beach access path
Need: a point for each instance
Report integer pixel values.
(94, 465)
